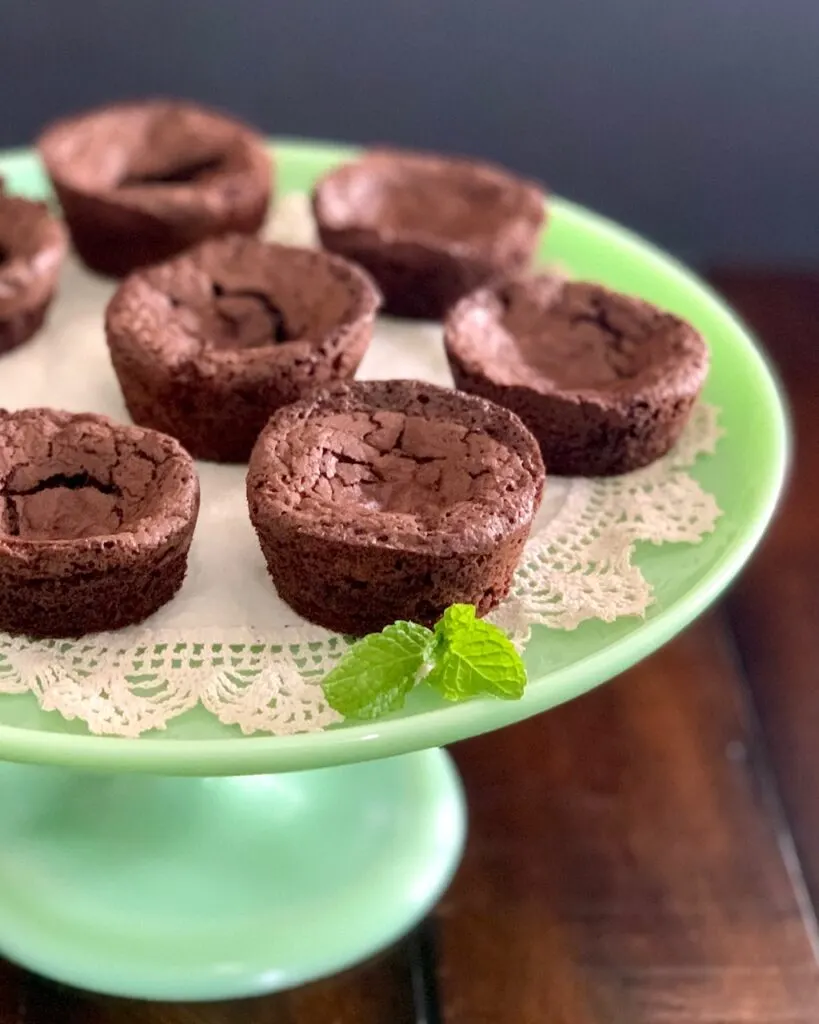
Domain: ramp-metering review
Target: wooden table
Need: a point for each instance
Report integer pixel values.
(649, 853)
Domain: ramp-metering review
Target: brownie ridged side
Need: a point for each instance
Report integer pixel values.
(90, 602)
(113, 240)
(580, 437)
(418, 282)
(354, 590)
(22, 326)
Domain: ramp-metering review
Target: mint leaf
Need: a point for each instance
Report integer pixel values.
(378, 672)
(468, 657)
(474, 657)
(457, 617)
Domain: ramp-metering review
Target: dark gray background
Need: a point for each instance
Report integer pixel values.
(695, 121)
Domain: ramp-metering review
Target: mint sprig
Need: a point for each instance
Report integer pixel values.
(378, 672)
(473, 657)
(463, 657)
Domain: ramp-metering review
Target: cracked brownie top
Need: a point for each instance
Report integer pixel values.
(84, 479)
(166, 157)
(442, 202)
(398, 463)
(239, 303)
(549, 334)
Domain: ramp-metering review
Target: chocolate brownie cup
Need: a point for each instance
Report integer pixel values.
(141, 182)
(429, 229)
(95, 525)
(32, 249)
(384, 500)
(604, 381)
(208, 345)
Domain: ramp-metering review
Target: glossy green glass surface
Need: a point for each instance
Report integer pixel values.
(216, 888)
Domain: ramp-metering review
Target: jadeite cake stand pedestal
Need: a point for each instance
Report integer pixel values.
(198, 864)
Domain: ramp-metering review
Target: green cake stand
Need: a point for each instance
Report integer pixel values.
(197, 864)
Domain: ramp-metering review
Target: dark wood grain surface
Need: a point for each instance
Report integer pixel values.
(774, 610)
(639, 855)
(625, 862)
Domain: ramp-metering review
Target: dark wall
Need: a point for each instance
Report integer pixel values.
(695, 121)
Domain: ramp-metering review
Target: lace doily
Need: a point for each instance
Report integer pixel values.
(226, 642)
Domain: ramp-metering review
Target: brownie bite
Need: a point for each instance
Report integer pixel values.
(207, 346)
(429, 229)
(384, 500)
(32, 249)
(604, 381)
(141, 182)
(95, 524)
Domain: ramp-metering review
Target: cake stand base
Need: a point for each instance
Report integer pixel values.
(217, 888)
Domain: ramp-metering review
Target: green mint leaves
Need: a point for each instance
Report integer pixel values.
(378, 672)
(461, 658)
(474, 657)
